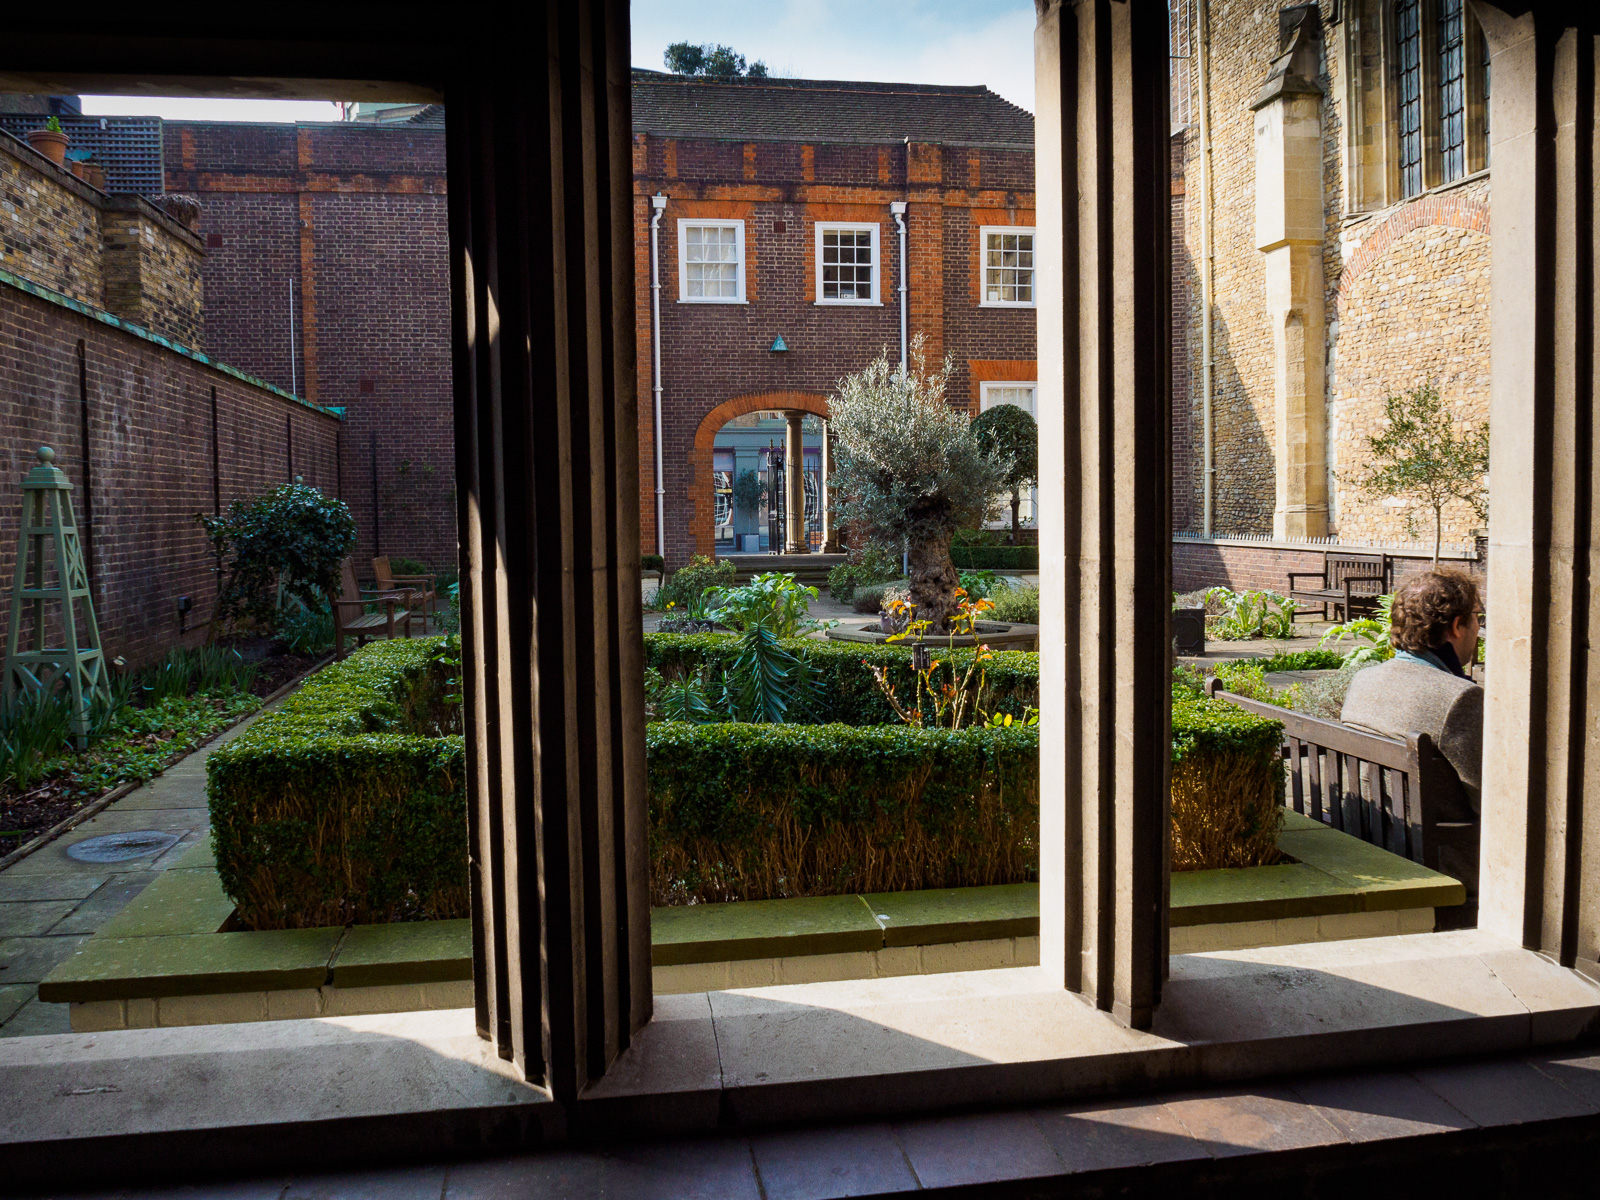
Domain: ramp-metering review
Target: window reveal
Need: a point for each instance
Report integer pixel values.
(711, 262)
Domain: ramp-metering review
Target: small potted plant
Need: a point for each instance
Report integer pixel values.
(50, 141)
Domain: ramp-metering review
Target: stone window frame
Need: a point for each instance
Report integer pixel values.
(872, 227)
(984, 233)
(687, 223)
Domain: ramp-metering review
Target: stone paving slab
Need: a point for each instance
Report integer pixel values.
(31, 918)
(29, 960)
(107, 900)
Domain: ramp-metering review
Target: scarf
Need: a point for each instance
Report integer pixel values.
(1442, 657)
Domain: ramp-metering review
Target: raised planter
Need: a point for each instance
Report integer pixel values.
(997, 636)
(169, 959)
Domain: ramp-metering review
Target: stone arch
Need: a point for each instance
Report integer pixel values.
(710, 425)
(1450, 211)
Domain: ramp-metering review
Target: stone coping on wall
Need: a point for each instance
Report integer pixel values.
(1453, 553)
(172, 942)
(99, 314)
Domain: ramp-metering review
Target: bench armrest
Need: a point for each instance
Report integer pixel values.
(1322, 575)
(426, 580)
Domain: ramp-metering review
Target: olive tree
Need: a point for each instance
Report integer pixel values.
(1012, 431)
(911, 469)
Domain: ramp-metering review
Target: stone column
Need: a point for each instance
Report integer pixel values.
(547, 475)
(794, 485)
(830, 530)
(1289, 232)
(1540, 861)
(1105, 470)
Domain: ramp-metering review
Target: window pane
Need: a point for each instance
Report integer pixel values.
(1452, 92)
(1408, 62)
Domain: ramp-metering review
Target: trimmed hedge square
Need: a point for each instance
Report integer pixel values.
(348, 805)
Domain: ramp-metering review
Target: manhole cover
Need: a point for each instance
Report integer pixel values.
(118, 847)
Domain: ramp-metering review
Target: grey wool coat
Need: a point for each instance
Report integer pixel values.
(1400, 697)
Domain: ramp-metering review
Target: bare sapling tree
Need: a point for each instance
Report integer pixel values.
(912, 470)
(1426, 454)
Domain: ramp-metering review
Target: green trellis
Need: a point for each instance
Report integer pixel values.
(51, 593)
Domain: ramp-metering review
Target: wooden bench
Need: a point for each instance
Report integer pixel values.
(1385, 791)
(1352, 582)
(350, 615)
(421, 591)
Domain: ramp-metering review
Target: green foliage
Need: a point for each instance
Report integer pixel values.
(408, 566)
(995, 558)
(774, 600)
(652, 562)
(306, 630)
(205, 670)
(687, 587)
(35, 727)
(1010, 431)
(748, 491)
(53, 124)
(1019, 604)
(979, 585)
(1249, 615)
(1298, 660)
(1227, 785)
(1204, 726)
(139, 743)
(286, 543)
(1248, 679)
(348, 804)
(687, 58)
(1188, 683)
(911, 469)
(1324, 697)
(868, 566)
(845, 690)
(1372, 632)
(749, 812)
(1422, 453)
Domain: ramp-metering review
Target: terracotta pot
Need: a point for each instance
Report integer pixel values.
(49, 143)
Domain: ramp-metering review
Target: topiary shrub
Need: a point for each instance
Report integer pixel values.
(1227, 785)
(348, 804)
(1015, 604)
(755, 812)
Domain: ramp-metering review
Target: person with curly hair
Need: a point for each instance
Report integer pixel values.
(1425, 688)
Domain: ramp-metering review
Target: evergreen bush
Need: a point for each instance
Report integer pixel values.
(1227, 785)
(995, 558)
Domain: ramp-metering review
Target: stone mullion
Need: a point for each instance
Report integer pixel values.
(1541, 837)
(1104, 377)
(549, 544)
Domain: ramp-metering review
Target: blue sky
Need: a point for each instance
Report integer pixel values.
(909, 41)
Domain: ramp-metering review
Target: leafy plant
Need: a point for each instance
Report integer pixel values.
(53, 124)
(748, 491)
(306, 630)
(1373, 631)
(1422, 454)
(35, 727)
(286, 543)
(1247, 679)
(1010, 432)
(946, 694)
(911, 469)
(1019, 604)
(775, 600)
(689, 582)
(205, 670)
(1227, 786)
(866, 567)
(1249, 615)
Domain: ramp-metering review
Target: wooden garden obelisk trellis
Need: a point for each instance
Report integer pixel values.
(51, 584)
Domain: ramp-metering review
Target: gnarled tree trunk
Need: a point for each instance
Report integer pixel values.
(934, 581)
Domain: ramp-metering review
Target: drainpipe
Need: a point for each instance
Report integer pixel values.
(1207, 262)
(658, 202)
(898, 208)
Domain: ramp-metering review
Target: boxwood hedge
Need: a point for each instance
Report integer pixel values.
(348, 804)
(1227, 785)
(752, 812)
(850, 696)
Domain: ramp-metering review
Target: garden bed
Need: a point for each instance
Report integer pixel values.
(173, 957)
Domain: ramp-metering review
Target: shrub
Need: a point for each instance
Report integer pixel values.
(400, 565)
(1227, 784)
(1016, 604)
(846, 691)
(774, 600)
(1299, 660)
(1247, 679)
(995, 558)
(306, 630)
(652, 562)
(1247, 615)
(1324, 697)
(752, 812)
(348, 804)
(687, 587)
(866, 567)
(287, 543)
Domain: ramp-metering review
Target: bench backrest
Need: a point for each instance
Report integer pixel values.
(1336, 567)
(382, 573)
(1386, 791)
(349, 589)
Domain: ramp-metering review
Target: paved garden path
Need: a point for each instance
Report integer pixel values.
(51, 903)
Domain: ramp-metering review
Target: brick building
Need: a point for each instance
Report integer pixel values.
(326, 274)
(101, 335)
(778, 223)
(1331, 170)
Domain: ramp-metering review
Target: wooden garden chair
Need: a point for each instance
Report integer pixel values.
(350, 615)
(422, 591)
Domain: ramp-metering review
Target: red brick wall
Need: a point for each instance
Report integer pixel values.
(355, 216)
(148, 462)
(712, 354)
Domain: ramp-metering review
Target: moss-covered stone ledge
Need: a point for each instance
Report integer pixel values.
(170, 958)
